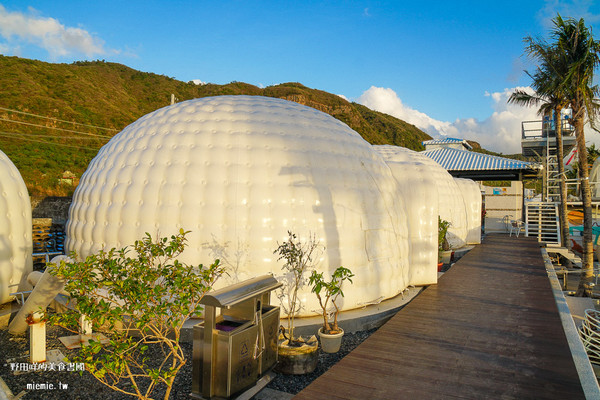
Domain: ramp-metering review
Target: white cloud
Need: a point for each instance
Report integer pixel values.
(48, 33)
(574, 8)
(198, 82)
(387, 101)
(343, 97)
(499, 132)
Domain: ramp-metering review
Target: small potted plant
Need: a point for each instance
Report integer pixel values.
(443, 246)
(296, 355)
(330, 334)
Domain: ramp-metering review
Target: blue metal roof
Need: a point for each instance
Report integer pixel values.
(442, 141)
(464, 160)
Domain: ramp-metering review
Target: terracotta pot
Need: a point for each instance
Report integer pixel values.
(297, 360)
(330, 343)
(440, 265)
(447, 256)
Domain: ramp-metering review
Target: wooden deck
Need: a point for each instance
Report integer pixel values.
(490, 329)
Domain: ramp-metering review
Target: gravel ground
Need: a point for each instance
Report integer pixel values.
(80, 386)
(14, 350)
(295, 383)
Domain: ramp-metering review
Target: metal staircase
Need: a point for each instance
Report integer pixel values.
(541, 218)
(541, 221)
(552, 176)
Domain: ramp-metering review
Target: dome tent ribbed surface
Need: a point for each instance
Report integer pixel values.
(239, 172)
(15, 230)
(451, 206)
(418, 187)
(472, 197)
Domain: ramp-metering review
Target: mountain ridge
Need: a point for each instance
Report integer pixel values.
(110, 95)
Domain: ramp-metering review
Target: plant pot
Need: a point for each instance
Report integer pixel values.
(330, 343)
(440, 265)
(447, 256)
(297, 360)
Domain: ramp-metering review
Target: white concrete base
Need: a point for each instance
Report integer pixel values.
(52, 356)
(361, 319)
(76, 341)
(37, 342)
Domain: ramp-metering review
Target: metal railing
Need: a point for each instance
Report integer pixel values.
(574, 191)
(545, 128)
(541, 221)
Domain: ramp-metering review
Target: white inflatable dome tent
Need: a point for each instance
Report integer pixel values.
(472, 197)
(418, 187)
(15, 231)
(239, 172)
(451, 206)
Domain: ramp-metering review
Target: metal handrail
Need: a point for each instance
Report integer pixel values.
(573, 186)
(546, 129)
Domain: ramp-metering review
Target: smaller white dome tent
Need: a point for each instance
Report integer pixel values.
(451, 204)
(15, 230)
(450, 201)
(472, 197)
(418, 188)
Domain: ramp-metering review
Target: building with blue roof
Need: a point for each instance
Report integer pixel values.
(455, 156)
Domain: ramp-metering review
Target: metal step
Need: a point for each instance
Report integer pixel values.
(542, 221)
(568, 254)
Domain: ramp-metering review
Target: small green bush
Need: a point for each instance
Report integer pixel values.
(331, 290)
(137, 299)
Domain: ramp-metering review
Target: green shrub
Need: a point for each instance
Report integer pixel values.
(138, 299)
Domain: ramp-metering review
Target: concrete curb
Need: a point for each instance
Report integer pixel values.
(588, 379)
(369, 317)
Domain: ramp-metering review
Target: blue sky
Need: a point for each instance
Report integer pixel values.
(446, 67)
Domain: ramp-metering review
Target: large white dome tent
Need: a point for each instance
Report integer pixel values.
(15, 231)
(239, 172)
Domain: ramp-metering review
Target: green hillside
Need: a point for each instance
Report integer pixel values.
(100, 94)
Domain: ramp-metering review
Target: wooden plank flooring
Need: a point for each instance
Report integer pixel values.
(490, 329)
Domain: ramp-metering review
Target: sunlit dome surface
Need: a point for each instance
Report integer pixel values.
(15, 230)
(239, 172)
(418, 187)
(473, 201)
(451, 206)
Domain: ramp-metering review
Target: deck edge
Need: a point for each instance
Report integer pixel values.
(589, 382)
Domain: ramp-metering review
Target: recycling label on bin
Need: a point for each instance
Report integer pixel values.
(244, 350)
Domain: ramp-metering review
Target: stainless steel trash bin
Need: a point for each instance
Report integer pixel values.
(236, 344)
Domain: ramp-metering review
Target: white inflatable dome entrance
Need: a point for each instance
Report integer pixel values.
(239, 172)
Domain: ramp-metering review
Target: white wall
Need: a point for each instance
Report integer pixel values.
(501, 202)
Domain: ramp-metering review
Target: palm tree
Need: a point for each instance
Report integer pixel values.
(576, 45)
(546, 82)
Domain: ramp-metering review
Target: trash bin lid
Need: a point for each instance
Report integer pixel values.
(241, 291)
